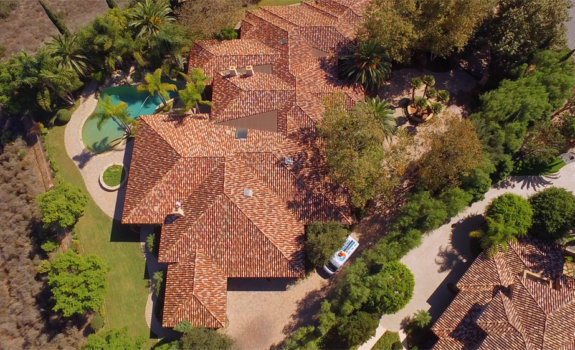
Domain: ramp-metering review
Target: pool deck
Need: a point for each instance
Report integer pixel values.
(91, 164)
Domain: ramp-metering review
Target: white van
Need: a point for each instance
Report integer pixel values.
(341, 256)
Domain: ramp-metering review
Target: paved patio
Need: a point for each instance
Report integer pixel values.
(91, 164)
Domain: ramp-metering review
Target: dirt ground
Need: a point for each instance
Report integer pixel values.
(28, 27)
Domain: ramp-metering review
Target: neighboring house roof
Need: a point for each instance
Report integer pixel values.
(519, 299)
(246, 198)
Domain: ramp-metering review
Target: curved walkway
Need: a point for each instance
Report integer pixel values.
(91, 164)
(444, 255)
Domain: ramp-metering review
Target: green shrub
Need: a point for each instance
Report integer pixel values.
(49, 246)
(418, 330)
(2, 51)
(158, 279)
(423, 212)
(151, 243)
(62, 205)
(44, 267)
(97, 322)
(357, 328)
(323, 239)
(200, 338)
(113, 175)
(455, 200)
(508, 217)
(63, 116)
(388, 341)
(226, 33)
(553, 213)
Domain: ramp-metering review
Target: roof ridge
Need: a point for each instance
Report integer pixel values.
(508, 303)
(197, 252)
(256, 226)
(182, 236)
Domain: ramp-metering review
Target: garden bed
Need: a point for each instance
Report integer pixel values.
(113, 177)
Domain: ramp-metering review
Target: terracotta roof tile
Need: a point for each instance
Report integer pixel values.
(526, 312)
(245, 205)
(195, 292)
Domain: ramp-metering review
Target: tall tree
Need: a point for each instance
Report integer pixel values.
(149, 16)
(62, 205)
(390, 23)
(154, 85)
(55, 19)
(368, 65)
(78, 283)
(453, 155)
(111, 4)
(323, 240)
(447, 25)
(354, 148)
(440, 27)
(521, 27)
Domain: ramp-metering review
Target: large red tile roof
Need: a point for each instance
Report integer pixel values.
(502, 304)
(245, 201)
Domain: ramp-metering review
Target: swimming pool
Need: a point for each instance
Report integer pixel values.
(139, 103)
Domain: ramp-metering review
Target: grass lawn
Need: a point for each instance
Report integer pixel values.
(547, 169)
(115, 244)
(278, 2)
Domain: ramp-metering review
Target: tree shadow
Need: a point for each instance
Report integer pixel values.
(534, 182)
(126, 161)
(456, 258)
(83, 158)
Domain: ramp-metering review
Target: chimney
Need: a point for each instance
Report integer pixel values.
(249, 70)
(233, 71)
(248, 192)
(178, 209)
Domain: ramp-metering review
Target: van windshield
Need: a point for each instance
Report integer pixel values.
(331, 267)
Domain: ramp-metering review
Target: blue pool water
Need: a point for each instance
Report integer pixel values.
(139, 103)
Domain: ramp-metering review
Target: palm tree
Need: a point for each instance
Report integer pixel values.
(443, 96)
(154, 85)
(369, 65)
(67, 49)
(429, 81)
(382, 111)
(431, 93)
(415, 84)
(148, 17)
(118, 113)
(436, 108)
(420, 105)
(191, 95)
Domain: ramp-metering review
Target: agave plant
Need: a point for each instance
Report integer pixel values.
(369, 65)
